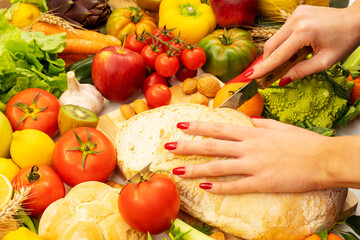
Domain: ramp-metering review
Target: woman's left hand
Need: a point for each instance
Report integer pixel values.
(273, 157)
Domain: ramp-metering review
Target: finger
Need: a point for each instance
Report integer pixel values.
(206, 147)
(216, 130)
(278, 57)
(319, 62)
(213, 169)
(276, 40)
(243, 185)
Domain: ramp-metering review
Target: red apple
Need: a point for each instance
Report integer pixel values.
(118, 73)
(234, 12)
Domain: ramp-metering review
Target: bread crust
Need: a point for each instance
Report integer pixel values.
(275, 216)
(88, 211)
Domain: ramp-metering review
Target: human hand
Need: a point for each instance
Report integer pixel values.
(332, 33)
(273, 156)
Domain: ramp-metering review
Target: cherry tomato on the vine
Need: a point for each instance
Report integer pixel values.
(193, 58)
(183, 73)
(132, 42)
(166, 66)
(34, 108)
(163, 34)
(152, 79)
(158, 95)
(150, 205)
(150, 55)
(47, 187)
(84, 154)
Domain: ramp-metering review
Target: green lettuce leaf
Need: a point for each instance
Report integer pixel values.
(30, 60)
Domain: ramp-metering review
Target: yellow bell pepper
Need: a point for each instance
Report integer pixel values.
(22, 234)
(192, 19)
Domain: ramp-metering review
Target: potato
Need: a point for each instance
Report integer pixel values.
(127, 111)
(208, 86)
(189, 86)
(200, 99)
(140, 106)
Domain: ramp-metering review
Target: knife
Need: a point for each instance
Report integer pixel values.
(251, 88)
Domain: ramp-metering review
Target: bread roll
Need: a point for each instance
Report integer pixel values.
(89, 211)
(275, 216)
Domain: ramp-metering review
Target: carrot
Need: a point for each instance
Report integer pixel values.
(83, 46)
(50, 29)
(74, 57)
(68, 62)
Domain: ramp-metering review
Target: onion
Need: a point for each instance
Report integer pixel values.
(280, 10)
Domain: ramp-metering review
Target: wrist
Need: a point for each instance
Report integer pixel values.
(353, 13)
(342, 164)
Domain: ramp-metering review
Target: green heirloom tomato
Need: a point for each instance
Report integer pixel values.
(228, 52)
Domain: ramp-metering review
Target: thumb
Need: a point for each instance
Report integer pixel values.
(271, 124)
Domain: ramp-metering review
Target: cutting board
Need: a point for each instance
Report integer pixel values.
(111, 122)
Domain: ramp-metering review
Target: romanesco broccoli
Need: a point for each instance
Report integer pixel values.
(316, 101)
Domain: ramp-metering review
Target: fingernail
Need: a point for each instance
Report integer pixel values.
(183, 125)
(206, 186)
(171, 145)
(179, 171)
(256, 117)
(284, 81)
(249, 73)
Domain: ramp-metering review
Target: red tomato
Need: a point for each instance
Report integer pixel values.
(150, 55)
(193, 58)
(152, 79)
(47, 187)
(166, 66)
(92, 157)
(163, 34)
(184, 73)
(135, 43)
(34, 108)
(158, 95)
(150, 205)
(180, 46)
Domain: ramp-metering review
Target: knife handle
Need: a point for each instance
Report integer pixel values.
(278, 72)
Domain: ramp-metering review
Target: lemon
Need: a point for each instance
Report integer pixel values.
(8, 168)
(5, 191)
(25, 15)
(31, 147)
(22, 233)
(6, 136)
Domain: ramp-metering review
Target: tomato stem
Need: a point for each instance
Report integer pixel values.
(30, 111)
(86, 148)
(135, 15)
(33, 175)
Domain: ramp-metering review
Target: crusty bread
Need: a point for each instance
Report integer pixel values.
(88, 211)
(250, 216)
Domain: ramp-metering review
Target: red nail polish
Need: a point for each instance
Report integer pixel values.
(179, 171)
(284, 81)
(183, 125)
(249, 73)
(206, 186)
(256, 117)
(171, 145)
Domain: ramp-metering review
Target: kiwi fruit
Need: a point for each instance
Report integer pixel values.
(72, 116)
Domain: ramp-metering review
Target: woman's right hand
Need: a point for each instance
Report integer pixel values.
(332, 33)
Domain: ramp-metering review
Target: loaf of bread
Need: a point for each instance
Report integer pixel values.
(88, 211)
(275, 216)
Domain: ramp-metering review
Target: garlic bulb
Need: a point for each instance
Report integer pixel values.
(83, 95)
(280, 10)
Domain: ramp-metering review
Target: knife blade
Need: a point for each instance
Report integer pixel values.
(251, 89)
(138, 174)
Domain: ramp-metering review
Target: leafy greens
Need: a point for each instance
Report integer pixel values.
(29, 60)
